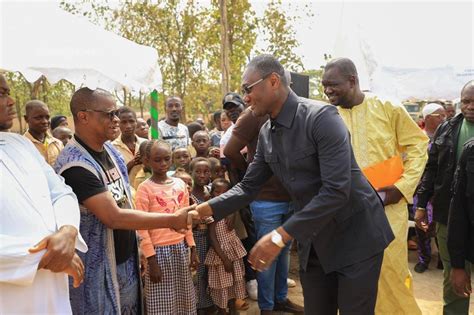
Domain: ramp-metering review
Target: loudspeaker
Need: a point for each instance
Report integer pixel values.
(300, 84)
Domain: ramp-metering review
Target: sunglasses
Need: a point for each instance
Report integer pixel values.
(111, 114)
(247, 89)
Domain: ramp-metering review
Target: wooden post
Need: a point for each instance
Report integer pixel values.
(225, 66)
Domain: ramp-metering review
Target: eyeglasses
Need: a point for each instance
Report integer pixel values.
(247, 89)
(111, 114)
(467, 101)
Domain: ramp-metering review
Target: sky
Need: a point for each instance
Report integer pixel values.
(399, 33)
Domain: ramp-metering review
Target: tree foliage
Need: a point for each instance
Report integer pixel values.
(57, 96)
(186, 35)
(280, 36)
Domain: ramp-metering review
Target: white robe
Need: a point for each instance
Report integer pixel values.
(34, 203)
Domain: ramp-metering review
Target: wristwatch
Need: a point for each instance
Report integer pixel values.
(420, 208)
(277, 239)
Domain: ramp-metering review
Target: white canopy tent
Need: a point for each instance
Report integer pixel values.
(407, 53)
(38, 38)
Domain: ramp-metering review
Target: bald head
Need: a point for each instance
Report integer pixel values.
(32, 105)
(344, 65)
(468, 86)
(85, 98)
(199, 134)
(341, 83)
(467, 101)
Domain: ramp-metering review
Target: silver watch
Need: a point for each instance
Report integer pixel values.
(277, 239)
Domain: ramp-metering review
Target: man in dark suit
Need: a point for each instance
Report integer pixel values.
(339, 221)
(461, 221)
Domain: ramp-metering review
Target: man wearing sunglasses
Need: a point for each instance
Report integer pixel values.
(98, 175)
(339, 221)
(269, 210)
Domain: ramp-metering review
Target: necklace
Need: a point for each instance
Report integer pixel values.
(167, 181)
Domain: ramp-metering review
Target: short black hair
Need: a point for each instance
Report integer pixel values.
(267, 64)
(345, 66)
(126, 110)
(193, 128)
(181, 172)
(142, 148)
(203, 132)
(198, 160)
(152, 143)
(217, 115)
(56, 120)
(220, 182)
(174, 97)
(214, 163)
(84, 97)
(33, 104)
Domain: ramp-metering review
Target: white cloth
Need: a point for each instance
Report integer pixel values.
(35, 203)
(430, 108)
(225, 138)
(177, 137)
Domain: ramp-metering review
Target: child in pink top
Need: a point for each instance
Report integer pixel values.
(168, 283)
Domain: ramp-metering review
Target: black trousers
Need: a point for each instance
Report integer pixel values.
(249, 242)
(351, 290)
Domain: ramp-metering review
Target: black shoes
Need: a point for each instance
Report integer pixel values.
(420, 267)
(288, 307)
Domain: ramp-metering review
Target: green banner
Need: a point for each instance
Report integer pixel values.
(154, 114)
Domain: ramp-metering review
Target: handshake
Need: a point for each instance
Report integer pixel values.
(184, 217)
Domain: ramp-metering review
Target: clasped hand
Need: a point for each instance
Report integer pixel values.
(184, 217)
(60, 254)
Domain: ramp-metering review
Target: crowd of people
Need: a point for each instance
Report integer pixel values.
(202, 218)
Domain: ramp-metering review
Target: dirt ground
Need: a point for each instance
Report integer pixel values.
(427, 287)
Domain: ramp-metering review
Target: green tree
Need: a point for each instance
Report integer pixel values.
(243, 26)
(98, 12)
(172, 29)
(56, 96)
(280, 36)
(316, 89)
(187, 38)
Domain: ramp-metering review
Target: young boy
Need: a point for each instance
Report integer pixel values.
(181, 158)
(63, 134)
(201, 143)
(37, 118)
(145, 172)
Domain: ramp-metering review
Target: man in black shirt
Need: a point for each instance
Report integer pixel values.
(461, 221)
(339, 220)
(97, 174)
